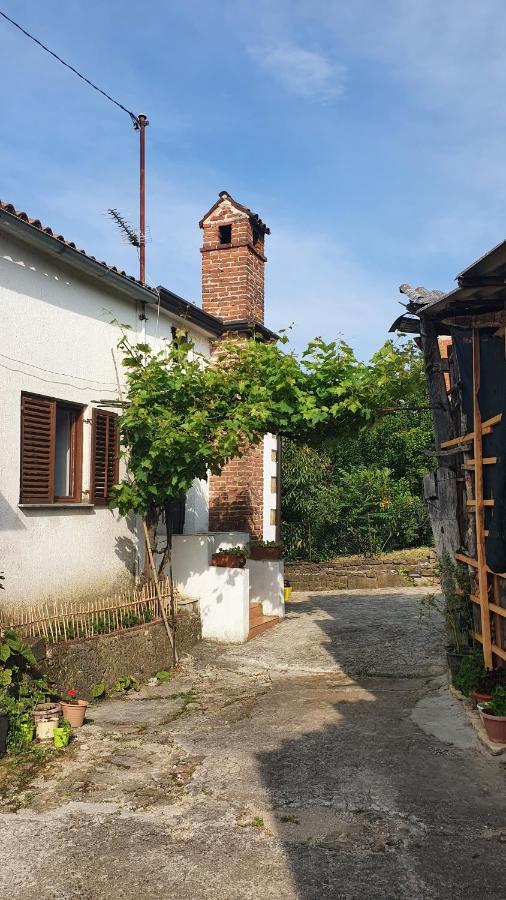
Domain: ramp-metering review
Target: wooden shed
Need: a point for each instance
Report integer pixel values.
(466, 379)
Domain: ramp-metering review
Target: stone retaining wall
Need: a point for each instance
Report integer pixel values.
(356, 572)
(140, 651)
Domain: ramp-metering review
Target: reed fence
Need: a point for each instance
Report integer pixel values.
(67, 621)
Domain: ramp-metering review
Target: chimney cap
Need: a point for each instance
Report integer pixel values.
(253, 217)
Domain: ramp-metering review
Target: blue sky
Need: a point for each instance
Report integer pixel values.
(370, 136)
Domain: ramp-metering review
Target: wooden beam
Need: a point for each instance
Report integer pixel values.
(488, 423)
(494, 648)
(461, 557)
(485, 428)
(486, 461)
(454, 442)
(479, 503)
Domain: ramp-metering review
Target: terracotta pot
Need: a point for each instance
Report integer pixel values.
(45, 711)
(74, 713)
(258, 553)
(228, 560)
(480, 697)
(495, 726)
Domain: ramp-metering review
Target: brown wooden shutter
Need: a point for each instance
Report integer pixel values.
(104, 455)
(38, 419)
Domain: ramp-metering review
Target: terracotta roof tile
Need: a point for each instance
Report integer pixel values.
(36, 223)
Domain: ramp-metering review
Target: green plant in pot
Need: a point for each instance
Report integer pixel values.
(62, 734)
(74, 710)
(493, 715)
(454, 607)
(265, 550)
(470, 673)
(23, 692)
(233, 557)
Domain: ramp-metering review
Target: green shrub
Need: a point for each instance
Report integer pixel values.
(470, 673)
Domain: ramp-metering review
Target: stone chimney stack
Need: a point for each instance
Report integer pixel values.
(233, 262)
(245, 497)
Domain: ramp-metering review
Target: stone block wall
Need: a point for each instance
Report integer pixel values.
(350, 572)
(140, 651)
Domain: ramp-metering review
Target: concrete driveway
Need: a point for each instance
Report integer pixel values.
(325, 759)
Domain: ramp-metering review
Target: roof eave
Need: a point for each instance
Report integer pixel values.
(29, 234)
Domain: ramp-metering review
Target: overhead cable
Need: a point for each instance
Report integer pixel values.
(95, 87)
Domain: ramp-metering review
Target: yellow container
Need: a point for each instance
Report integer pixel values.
(288, 593)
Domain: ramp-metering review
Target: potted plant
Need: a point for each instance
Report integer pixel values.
(266, 550)
(62, 734)
(74, 710)
(469, 673)
(45, 716)
(486, 684)
(454, 607)
(233, 557)
(493, 715)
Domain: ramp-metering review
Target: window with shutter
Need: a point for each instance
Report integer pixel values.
(104, 455)
(51, 451)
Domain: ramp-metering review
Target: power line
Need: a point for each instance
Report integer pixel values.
(132, 115)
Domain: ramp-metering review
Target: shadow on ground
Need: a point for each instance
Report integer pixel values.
(368, 805)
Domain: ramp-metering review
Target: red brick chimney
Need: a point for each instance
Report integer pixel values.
(233, 261)
(233, 289)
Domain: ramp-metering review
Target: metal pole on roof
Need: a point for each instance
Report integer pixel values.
(142, 123)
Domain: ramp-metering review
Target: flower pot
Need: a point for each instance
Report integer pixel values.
(61, 737)
(228, 560)
(44, 728)
(454, 659)
(45, 716)
(74, 713)
(480, 697)
(258, 553)
(495, 726)
(4, 727)
(27, 729)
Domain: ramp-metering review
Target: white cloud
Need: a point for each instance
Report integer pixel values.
(305, 73)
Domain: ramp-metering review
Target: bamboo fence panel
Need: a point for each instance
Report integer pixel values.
(65, 621)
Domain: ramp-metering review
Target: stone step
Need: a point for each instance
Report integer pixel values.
(255, 612)
(260, 625)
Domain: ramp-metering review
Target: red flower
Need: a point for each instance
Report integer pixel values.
(72, 692)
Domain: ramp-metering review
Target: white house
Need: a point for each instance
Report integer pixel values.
(58, 419)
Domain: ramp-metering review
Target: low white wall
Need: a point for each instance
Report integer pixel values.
(267, 581)
(223, 593)
(191, 558)
(224, 606)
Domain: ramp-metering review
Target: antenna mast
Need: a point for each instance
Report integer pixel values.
(141, 125)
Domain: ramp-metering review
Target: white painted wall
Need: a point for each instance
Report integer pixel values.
(192, 558)
(267, 583)
(56, 340)
(271, 498)
(224, 607)
(223, 593)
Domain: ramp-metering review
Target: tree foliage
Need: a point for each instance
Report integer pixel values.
(359, 491)
(184, 417)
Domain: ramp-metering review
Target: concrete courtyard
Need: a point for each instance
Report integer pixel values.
(325, 759)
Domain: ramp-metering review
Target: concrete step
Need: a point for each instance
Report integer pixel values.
(261, 624)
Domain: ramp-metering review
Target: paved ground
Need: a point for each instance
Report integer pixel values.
(325, 759)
